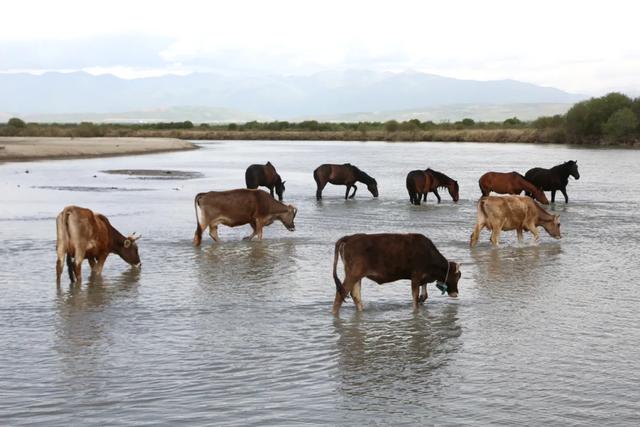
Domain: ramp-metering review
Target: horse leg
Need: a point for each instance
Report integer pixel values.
(320, 186)
(564, 193)
(354, 191)
(346, 193)
(271, 190)
(520, 237)
(435, 191)
(553, 196)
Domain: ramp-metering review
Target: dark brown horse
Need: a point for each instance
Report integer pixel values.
(509, 183)
(266, 176)
(421, 182)
(554, 179)
(346, 174)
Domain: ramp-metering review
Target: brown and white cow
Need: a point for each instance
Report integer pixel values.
(497, 213)
(238, 207)
(386, 258)
(83, 234)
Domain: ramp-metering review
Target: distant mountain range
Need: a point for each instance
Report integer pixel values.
(346, 95)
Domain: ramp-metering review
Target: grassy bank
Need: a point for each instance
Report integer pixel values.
(613, 119)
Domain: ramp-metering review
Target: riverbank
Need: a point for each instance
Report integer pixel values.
(18, 149)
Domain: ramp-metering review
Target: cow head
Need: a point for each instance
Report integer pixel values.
(287, 217)
(129, 250)
(373, 188)
(280, 187)
(452, 278)
(553, 226)
(454, 190)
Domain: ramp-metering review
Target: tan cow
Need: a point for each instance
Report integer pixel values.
(497, 213)
(83, 234)
(238, 207)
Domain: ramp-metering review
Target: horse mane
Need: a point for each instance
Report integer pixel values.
(362, 176)
(442, 179)
(564, 165)
(520, 175)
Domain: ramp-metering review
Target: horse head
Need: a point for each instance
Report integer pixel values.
(573, 168)
(454, 190)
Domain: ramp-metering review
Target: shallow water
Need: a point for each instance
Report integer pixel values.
(241, 333)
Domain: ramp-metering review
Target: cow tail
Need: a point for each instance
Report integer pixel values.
(481, 206)
(196, 205)
(67, 236)
(339, 251)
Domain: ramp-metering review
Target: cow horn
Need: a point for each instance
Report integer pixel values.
(136, 238)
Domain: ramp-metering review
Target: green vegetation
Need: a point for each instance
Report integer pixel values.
(611, 119)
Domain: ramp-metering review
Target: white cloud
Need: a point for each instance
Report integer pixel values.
(582, 46)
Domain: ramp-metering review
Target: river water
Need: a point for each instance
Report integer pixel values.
(241, 333)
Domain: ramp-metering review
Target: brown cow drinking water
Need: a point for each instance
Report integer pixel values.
(82, 234)
(266, 176)
(519, 213)
(386, 258)
(509, 183)
(345, 174)
(238, 207)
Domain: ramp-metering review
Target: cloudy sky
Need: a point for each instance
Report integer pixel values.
(580, 46)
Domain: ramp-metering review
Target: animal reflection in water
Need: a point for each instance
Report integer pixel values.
(509, 183)
(346, 174)
(386, 258)
(82, 234)
(379, 354)
(554, 179)
(519, 213)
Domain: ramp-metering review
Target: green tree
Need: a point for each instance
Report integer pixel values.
(621, 124)
(16, 123)
(513, 121)
(467, 122)
(587, 118)
(391, 126)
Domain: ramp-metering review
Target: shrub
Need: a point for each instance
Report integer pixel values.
(587, 118)
(17, 123)
(391, 126)
(621, 124)
(467, 122)
(513, 121)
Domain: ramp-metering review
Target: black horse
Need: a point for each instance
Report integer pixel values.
(554, 179)
(265, 175)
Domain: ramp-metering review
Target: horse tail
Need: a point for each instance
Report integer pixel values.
(411, 188)
(339, 252)
(250, 178)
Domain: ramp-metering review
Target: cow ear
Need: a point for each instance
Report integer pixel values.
(127, 243)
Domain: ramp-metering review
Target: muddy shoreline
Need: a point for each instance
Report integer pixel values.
(22, 149)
